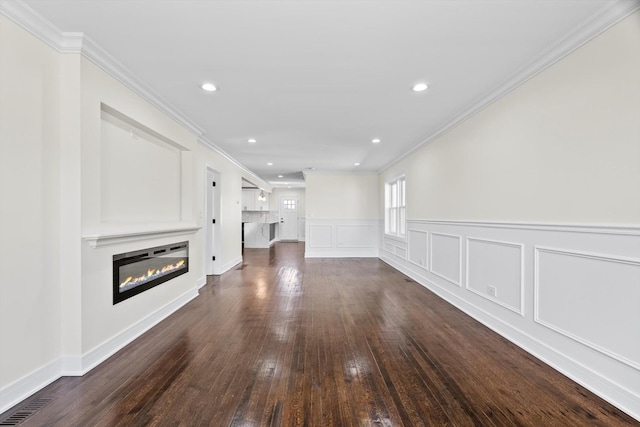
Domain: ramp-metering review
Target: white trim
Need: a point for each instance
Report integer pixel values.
(520, 246)
(595, 25)
(259, 182)
(536, 300)
(103, 351)
(201, 282)
(631, 230)
(602, 386)
(228, 266)
(425, 267)
(442, 276)
(80, 365)
(27, 18)
(108, 63)
(79, 43)
(24, 387)
(107, 238)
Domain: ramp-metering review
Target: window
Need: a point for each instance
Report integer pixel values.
(289, 205)
(395, 207)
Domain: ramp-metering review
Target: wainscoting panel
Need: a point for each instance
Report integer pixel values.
(356, 236)
(495, 272)
(590, 285)
(320, 236)
(569, 295)
(446, 257)
(328, 238)
(419, 247)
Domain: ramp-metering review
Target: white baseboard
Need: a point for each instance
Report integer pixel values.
(201, 282)
(100, 353)
(217, 271)
(518, 262)
(24, 387)
(78, 366)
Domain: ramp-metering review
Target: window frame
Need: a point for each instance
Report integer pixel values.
(395, 207)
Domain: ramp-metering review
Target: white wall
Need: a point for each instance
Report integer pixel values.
(562, 148)
(101, 320)
(343, 196)
(342, 215)
(30, 209)
(60, 230)
(495, 208)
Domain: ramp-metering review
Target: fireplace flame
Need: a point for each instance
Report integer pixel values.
(152, 274)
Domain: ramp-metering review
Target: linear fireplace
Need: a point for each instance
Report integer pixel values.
(136, 272)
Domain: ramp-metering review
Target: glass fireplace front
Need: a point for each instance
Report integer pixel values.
(138, 271)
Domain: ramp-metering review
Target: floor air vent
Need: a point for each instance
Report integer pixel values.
(25, 412)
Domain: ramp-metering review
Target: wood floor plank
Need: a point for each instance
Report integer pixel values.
(286, 341)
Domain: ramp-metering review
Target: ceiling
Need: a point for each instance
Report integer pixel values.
(313, 82)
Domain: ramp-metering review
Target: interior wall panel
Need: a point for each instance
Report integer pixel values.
(495, 271)
(446, 257)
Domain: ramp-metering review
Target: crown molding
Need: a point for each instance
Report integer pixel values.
(249, 174)
(96, 54)
(31, 21)
(592, 27)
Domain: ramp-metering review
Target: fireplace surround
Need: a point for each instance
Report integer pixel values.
(138, 271)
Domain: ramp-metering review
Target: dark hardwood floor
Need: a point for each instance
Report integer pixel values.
(280, 341)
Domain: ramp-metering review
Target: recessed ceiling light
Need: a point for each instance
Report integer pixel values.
(420, 87)
(252, 141)
(289, 187)
(209, 87)
(356, 164)
(269, 164)
(280, 176)
(375, 140)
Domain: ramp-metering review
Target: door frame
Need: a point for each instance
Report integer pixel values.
(297, 199)
(212, 231)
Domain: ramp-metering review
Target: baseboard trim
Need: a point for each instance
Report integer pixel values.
(201, 282)
(73, 366)
(217, 271)
(613, 393)
(24, 387)
(102, 352)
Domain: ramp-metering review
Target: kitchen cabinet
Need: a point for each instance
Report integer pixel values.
(250, 200)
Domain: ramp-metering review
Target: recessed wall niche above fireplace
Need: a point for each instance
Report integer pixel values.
(138, 271)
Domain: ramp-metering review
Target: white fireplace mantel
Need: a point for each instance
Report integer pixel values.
(114, 235)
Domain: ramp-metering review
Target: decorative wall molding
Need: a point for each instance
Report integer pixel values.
(441, 274)
(604, 19)
(79, 43)
(621, 310)
(339, 238)
(600, 353)
(133, 234)
(631, 230)
(415, 244)
(496, 299)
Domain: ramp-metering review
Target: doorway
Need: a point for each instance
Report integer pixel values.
(212, 222)
(289, 219)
